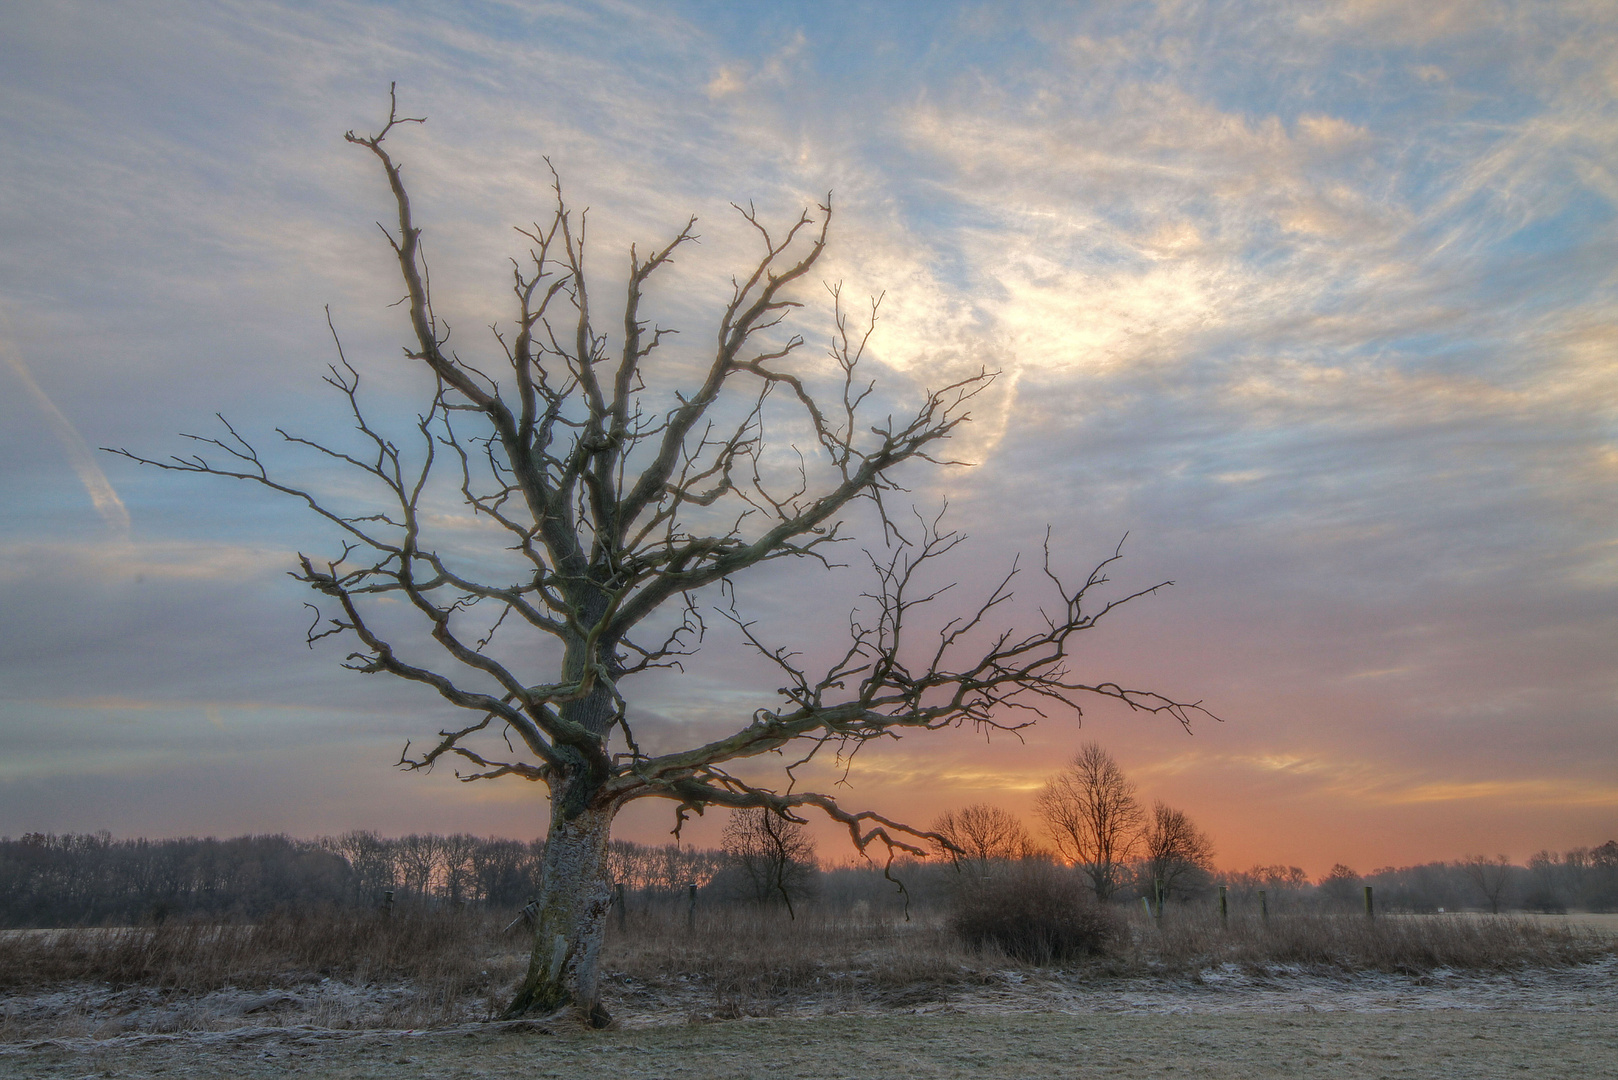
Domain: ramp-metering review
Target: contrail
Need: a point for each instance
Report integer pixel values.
(106, 500)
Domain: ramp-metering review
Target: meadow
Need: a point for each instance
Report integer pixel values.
(747, 992)
(998, 968)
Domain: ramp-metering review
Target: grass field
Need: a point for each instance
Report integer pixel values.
(751, 995)
(1438, 1045)
(1594, 922)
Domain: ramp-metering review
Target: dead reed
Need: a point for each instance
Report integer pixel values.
(750, 961)
(444, 949)
(1193, 939)
(425, 968)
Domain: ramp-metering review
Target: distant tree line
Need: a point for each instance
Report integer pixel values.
(92, 879)
(1581, 879)
(78, 879)
(1125, 851)
(89, 880)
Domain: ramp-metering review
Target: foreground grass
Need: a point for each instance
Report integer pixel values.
(1440, 1045)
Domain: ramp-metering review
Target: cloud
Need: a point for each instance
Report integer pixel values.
(1370, 783)
(125, 703)
(96, 485)
(1548, 791)
(123, 560)
(1317, 303)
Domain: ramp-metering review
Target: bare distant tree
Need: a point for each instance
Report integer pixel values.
(773, 854)
(1281, 884)
(1174, 851)
(1091, 812)
(1341, 885)
(670, 867)
(504, 872)
(663, 869)
(982, 832)
(605, 509)
(373, 859)
(1491, 877)
(456, 859)
(420, 861)
(1276, 878)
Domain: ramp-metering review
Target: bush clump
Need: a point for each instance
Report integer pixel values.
(1032, 911)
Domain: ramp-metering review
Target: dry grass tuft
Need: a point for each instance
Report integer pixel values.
(439, 965)
(1030, 911)
(751, 962)
(331, 968)
(1409, 944)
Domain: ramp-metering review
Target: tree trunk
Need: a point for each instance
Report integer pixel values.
(574, 898)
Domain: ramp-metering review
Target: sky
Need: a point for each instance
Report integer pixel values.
(1315, 303)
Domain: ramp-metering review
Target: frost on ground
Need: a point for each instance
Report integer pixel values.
(1219, 1024)
(896, 1005)
(81, 1014)
(89, 1015)
(1229, 989)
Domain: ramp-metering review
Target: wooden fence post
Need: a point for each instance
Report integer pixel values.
(1157, 887)
(1263, 906)
(1370, 912)
(1224, 907)
(691, 912)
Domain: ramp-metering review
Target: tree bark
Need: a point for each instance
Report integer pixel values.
(574, 899)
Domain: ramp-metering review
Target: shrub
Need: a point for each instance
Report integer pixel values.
(1032, 911)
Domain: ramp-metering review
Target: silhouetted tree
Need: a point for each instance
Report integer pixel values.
(1491, 877)
(1174, 851)
(983, 833)
(1091, 812)
(1340, 886)
(773, 856)
(611, 508)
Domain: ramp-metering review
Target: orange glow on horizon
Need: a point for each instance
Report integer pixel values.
(1260, 808)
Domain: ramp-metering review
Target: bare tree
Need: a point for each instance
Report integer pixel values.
(1282, 885)
(671, 867)
(1174, 851)
(373, 859)
(1491, 877)
(456, 858)
(420, 859)
(983, 833)
(616, 509)
(1341, 886)
(664, 870)
(1091, 813)
(503, 872)
(773, 854)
